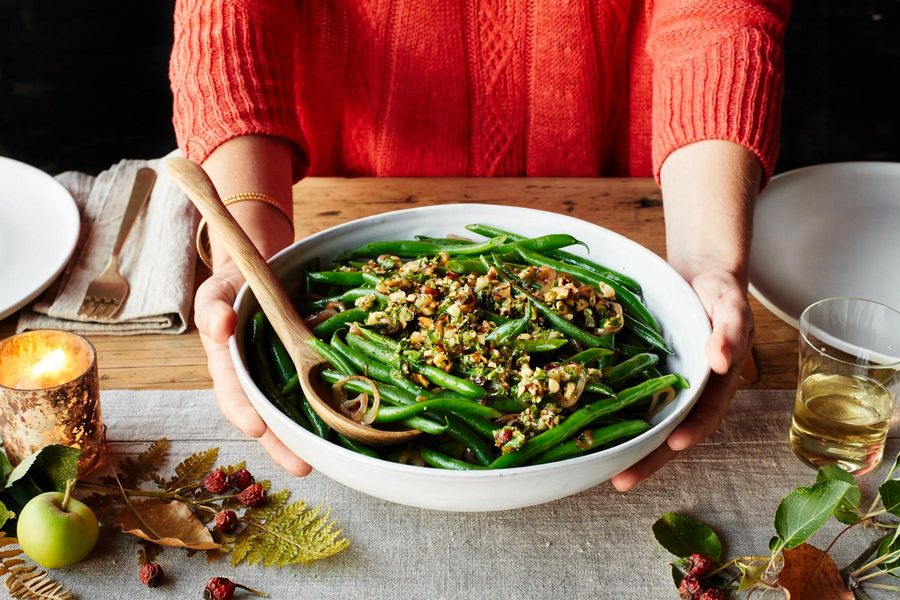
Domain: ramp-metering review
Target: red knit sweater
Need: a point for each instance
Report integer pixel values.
(480, 87)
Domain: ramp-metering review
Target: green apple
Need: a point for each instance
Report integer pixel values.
(56, 530)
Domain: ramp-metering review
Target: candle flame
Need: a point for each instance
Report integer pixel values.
(54, 362)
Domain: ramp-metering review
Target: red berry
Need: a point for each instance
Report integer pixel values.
(219, 588)
(252, 495)
(151, 574)
(699, 565)
(690, 588)
(712, 594)
(216, 482)
(240, 479)
(226, 521)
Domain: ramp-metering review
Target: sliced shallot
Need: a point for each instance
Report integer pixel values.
(355, 408)
(566, 402)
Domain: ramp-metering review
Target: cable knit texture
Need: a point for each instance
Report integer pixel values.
(480, 87)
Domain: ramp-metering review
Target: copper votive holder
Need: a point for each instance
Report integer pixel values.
(50, 394)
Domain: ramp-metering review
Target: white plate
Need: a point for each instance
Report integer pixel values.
(39, 227)
(824, 231)
(685, 327)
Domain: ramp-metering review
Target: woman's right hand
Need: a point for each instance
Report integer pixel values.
(215, 318)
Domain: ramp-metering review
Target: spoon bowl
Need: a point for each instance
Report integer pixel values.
(276, 305)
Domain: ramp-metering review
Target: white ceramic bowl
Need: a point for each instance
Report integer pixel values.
(671, 299)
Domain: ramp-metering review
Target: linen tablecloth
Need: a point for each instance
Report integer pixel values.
(596, 544)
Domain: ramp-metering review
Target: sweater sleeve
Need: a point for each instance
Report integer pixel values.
(717, 74)
(232, 73)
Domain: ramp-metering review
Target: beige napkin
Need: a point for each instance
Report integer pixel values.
(158, 258)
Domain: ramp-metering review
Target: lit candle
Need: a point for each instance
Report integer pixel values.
(49, 394)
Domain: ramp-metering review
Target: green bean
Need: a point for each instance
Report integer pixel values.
(319, 427)
(341, 278)
(447, 241)
(511, 329)
(537, 346)
(493, 317)
(332, 324)
(362, 363)
(334, 357)
(631, 367)
(479, 425)
(391, 414)
(308, 266)
(415, 390)
(466, 266)
(433, 374)
(414, 248)
(506, 404)
(348, 296)
(284, 366)
(567, 257)
(543, 243)
(458, 430)
(580, 419)
(442, 461)
(586, 357)
(566, 327)
(629, 350)
(630, 302)
(595, 387)
(377, 338)
(591, 440)
(263, 375)
(356, 446)
(644, 333)
(259, 364)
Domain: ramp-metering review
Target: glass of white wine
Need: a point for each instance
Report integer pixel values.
(849, 378)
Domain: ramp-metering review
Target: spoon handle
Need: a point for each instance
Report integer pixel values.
(268, 290)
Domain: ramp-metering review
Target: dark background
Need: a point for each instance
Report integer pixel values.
(83, 84)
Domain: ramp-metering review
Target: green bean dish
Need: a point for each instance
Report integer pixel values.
(504, 352)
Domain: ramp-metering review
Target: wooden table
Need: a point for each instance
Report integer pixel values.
(632, 207)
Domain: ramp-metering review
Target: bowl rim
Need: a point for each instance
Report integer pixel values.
(678, 415)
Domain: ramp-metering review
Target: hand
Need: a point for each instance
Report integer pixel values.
(216, 320)
(725, 300)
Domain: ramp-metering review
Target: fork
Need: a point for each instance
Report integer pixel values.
(107, 292)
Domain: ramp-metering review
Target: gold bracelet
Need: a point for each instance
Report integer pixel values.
(203, 242)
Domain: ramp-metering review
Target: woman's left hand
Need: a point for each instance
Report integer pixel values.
(709, 188)
(725, 300)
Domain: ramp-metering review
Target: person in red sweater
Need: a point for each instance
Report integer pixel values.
(687, 91)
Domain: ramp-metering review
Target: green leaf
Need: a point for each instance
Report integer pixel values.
(806, 509)
(890, 496)
(5, 468)
(888, 545)
(5, 514)
(49, 468)
(847, 511)
(682, 536)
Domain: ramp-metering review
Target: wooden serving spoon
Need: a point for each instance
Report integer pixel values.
(275, 303)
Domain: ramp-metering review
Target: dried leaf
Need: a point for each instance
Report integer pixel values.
(193, 468)
(145, 466)
(27, 581)
(810, 574)
(165, 523)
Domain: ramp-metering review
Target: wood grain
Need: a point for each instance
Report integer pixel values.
(632, 207)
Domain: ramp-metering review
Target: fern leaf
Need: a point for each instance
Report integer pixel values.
(146, 465)
(230, 469)
(193, 468)
(27, 581)
(291, 534)
(274, 502)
